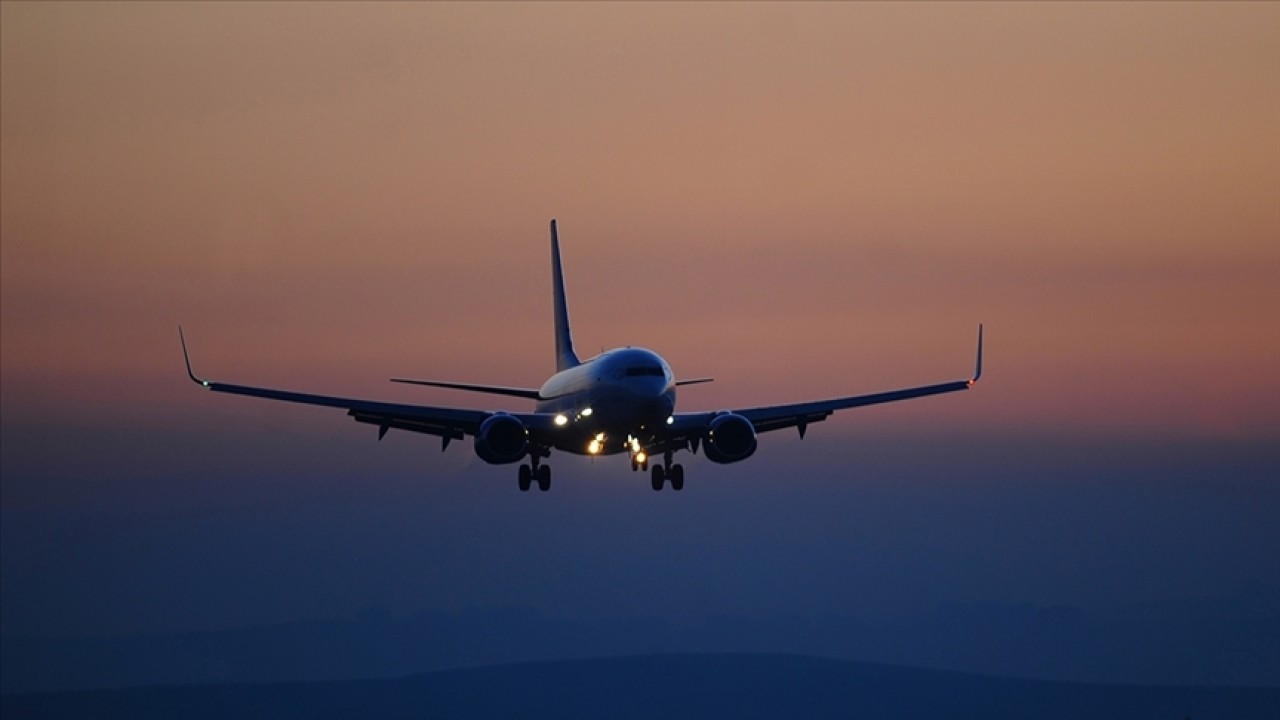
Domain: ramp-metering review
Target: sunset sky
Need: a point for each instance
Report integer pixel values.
(799, 200)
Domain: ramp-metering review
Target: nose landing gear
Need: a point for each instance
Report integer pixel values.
(639, 458)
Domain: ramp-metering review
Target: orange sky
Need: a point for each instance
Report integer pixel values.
(801, 200)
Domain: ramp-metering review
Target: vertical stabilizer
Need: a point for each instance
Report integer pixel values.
(565, 357)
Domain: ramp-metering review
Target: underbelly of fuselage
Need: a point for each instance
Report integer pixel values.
(616, 416)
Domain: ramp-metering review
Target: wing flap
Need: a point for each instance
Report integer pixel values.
(391, 422)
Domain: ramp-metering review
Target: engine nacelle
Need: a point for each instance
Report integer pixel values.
(730, 438)
(501, 439)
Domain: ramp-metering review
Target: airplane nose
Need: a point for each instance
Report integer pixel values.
(660, 407)
(654, 399)
(667, 407)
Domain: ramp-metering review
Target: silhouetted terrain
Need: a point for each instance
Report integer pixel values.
(668, 686)
(1230, 641)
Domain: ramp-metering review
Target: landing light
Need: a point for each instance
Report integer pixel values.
(586, 412)
(596, 444)
(561, 421)
(671, 419)
(641, 457)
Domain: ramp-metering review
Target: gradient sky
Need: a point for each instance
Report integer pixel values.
(800, 200)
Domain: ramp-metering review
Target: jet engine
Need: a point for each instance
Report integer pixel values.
(501, 439)
(730, 438)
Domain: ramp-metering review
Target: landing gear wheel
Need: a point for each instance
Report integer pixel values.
(657, 477)
(677, 477)
(526, 478)
(544, 478)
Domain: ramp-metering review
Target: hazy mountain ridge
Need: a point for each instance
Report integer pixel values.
(1175, 643)
(672, 686)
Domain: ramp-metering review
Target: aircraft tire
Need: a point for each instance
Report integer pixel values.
(677, 477)
(526, 478)
(657, 476)
(544, 478)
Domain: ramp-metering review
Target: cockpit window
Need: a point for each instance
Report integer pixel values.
(638, 370)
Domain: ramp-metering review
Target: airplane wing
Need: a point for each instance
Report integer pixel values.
(799, 415)
(448, 423)
(687, 429)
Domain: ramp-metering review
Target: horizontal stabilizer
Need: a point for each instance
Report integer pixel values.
(530, 393)
(694, 381)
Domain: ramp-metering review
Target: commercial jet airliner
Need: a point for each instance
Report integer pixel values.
(621, 401)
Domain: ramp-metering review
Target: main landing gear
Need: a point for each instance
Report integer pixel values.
(667, 472)
(535, 471)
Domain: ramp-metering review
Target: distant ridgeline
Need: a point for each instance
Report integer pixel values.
(666, 686)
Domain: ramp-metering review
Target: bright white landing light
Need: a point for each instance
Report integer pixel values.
(586, 412)
(561, 421)
(671, 419)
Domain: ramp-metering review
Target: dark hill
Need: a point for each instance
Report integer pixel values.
(667, 686)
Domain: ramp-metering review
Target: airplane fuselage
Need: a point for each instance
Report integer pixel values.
(617, 395)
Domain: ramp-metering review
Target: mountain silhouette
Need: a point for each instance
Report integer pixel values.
(667, 686)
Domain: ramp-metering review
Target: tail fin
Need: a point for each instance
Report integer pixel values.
(565, 356)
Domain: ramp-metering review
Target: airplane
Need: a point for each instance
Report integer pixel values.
(621, 401)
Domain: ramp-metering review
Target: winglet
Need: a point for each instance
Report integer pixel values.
(977, 372)
(186, 358)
